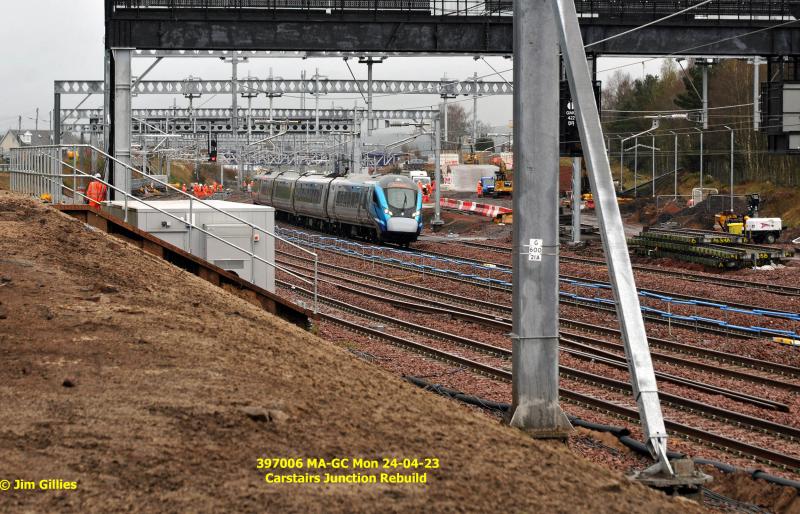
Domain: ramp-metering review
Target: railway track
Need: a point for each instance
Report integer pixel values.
(582, 346)
(700, 324)
(498, 316)
(765, 455)
(682, 274)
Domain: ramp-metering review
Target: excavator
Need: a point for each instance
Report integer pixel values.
(504, 177)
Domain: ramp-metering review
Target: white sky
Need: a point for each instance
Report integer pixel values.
(47, 40)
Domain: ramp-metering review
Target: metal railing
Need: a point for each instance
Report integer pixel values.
(38, 170)
(638, 9)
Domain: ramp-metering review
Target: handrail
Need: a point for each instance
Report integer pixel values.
(189, 221)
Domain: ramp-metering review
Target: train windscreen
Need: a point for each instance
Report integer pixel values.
(401, 199)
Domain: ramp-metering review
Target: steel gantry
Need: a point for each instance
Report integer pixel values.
(472, 27)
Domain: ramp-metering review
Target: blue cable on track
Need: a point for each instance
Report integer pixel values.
(406, 258)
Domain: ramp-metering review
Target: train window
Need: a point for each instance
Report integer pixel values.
(401, 198)
(375, 197)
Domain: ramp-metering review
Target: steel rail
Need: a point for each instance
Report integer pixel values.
(676, 295)
(675, 401)
(715, 440)
(706, 326)
(678, 347)
(595, 354)
(684, 275)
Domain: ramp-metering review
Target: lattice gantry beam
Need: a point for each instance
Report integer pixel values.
(261, 114)
(289, 87)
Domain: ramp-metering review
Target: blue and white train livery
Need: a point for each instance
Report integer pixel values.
(385, 208)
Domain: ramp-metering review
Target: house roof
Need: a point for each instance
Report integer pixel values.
(42, 137)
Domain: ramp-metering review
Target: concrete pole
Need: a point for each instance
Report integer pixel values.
(705, 97)
(437, 173)
(535, 406)
(756, 106)
(576, 200)
(37, 119)
(653, 164)
(122, 120)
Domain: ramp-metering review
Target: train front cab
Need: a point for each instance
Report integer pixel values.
(397, 203)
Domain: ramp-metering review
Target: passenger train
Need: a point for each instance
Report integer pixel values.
(384, 208)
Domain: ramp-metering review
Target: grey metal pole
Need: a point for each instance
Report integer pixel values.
(701, 162)
(635, 166)
(576, 200)
(534, 335)
(731, 170)
(756, 106)
(235, 98)
(629, 313)
(108, 80)
(122, 121)
(705, 97)
(621, 159)
(357, 143)
(653, 165)
(369, 97)
(675, 174)
(475, 112)
(57, 119)
(446, 125)
(316, 101)
(437, 172)
(93, 136)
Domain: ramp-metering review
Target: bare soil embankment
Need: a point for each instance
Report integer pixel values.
(156, 391)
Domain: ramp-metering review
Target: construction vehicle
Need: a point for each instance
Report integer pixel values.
(487, 186)
(504, 177)
(755, 228)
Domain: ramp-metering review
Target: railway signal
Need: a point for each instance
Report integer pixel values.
(212, 150)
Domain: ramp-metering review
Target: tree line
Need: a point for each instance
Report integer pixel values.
(628, 106)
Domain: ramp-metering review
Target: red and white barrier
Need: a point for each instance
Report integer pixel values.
(481, 209)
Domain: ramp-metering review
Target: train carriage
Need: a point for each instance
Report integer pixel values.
(386, 208)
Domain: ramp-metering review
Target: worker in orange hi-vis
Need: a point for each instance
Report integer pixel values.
(96, 192)
(183, 187)
(480, 188)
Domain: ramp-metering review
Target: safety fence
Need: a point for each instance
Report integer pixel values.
(434, 264)
(481, 209)
(40, 171)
